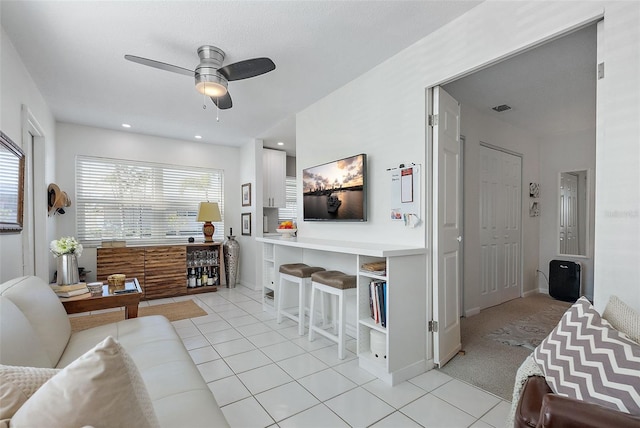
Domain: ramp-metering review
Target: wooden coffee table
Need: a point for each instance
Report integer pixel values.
(108, 300)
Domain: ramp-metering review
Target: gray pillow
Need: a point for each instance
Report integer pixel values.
(585, 358)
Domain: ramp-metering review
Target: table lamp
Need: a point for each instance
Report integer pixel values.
(208, 212)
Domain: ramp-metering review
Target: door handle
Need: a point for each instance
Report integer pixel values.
(459, 238)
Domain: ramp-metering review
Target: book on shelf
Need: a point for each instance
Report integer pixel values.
(377, 302)
(73, 293)
(76, 297)
(67, 288)
(375, 268)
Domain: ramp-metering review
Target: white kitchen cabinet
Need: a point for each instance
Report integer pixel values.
(274, 169)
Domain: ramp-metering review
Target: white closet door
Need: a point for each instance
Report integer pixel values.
(500, 220)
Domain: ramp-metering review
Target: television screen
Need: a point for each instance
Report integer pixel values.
(336, 191)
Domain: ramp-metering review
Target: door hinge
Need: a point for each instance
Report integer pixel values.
(433, 326)
(432, 120)
(601, 70)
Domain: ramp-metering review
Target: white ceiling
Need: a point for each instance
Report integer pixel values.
(74, 52)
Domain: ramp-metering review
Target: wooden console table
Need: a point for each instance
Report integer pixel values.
(108, 300)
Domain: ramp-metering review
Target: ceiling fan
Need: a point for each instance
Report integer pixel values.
(210, 76)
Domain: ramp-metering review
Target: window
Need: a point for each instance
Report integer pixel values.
(142, 202)
(290, 211)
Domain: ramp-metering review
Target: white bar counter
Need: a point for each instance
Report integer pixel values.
(358, 248)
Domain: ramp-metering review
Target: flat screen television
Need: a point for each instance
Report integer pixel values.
(336, 191)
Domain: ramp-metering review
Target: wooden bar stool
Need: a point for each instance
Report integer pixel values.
(333, 283)
(298, 274)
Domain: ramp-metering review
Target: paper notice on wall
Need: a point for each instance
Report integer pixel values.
(405, 194)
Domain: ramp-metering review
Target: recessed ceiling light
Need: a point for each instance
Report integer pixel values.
(126, 125)
(280, 143)
(198, 137)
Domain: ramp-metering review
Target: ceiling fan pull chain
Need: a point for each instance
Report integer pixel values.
(218, 111)
(204, 97)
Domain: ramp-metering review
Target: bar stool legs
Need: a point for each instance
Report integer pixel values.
(298, 274)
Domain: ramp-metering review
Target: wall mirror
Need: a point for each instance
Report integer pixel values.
(11, 185)
(573, 213)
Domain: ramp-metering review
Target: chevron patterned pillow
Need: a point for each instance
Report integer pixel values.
(585, 358)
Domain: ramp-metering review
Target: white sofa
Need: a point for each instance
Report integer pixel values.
(35, 332)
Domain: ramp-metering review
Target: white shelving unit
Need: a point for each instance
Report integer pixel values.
(406, 306)
(268, 275)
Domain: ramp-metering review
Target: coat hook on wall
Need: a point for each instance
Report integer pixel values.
(57, 200)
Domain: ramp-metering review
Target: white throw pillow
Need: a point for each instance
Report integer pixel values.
(102, 388)
(17, 384)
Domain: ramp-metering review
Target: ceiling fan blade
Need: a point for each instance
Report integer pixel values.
(223, 102)
(247, 68)
(160, 65)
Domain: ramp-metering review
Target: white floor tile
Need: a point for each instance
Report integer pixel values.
(228, 390)
(319, 416)
(222, 336)
(431, 380)
(480, 424)
(267, 338)
(329, 355)
(498, 415)
(246, 413)
(214, 370)
(396, 396)
(233, 347)
(183, 323)
(253, 329)
(206, 319)
(243, 320)
(353, 371)
(188, 331)
(264, 378)
(359, 407)
(396, 420)
(213, 326)
(247, 361)
(281, 350)
(202, 355)
(286, 400)
(302, 365)
(318, 343)
(232, 312)
(431, 412)
(195, 342)
(326, 384)
(470, 399)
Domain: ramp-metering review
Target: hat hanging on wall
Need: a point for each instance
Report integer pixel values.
(57, 200)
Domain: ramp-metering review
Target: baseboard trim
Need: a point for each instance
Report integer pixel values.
(530, 293)
(472, 311)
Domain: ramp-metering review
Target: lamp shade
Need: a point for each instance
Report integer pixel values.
(209, 211)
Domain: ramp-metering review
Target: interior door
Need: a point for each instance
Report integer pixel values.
(447, 221)
(500, 218)
(569, 214)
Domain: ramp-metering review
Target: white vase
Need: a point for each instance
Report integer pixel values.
(67, 269)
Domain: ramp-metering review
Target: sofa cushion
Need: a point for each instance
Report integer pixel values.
(17, 384)
(19, 342)
(101, 388)
(40, 305)
(623, 318)
(585, 358)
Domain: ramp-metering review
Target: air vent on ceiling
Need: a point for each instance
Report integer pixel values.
(501, 108)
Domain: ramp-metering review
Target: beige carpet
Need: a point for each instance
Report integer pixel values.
(488, 362)
(173, 311)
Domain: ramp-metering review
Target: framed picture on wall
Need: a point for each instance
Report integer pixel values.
(246, 195)
(246, 224)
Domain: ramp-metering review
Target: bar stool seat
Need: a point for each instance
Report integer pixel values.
(333, 283)
(298, 274)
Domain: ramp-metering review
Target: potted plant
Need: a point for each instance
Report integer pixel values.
(66, 250)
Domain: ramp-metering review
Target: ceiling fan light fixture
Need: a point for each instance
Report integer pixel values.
(211, 85)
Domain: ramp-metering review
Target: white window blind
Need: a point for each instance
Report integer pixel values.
(9, 183)
(142, 202)
(290, 211)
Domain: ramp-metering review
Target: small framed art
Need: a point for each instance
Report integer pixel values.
(246, 195)
(246, 224)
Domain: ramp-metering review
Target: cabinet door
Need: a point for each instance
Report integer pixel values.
(128, 261)
(274, 173)
(165, 271)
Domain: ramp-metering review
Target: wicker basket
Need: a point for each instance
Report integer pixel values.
(116, 281)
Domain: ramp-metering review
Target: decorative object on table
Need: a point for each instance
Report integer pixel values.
(116, 282)
(95, 288)
(12, 185)
(71, 290)
(287, 229)
(57, 200)
(231, 249)
(208, 212)
(246, 195)
(246, 224)
(534, 209)
(66, 250)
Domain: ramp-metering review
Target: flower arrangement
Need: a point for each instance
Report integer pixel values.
(65, 245)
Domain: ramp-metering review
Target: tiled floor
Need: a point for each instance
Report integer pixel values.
(264, 375)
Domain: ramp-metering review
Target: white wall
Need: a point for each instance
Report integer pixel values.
(250, 272)
(564, 153)
(382, 113)
(17, 89)
(481, 128)
(76, 140)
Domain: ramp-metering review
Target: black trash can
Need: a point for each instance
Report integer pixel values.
(564, 280)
